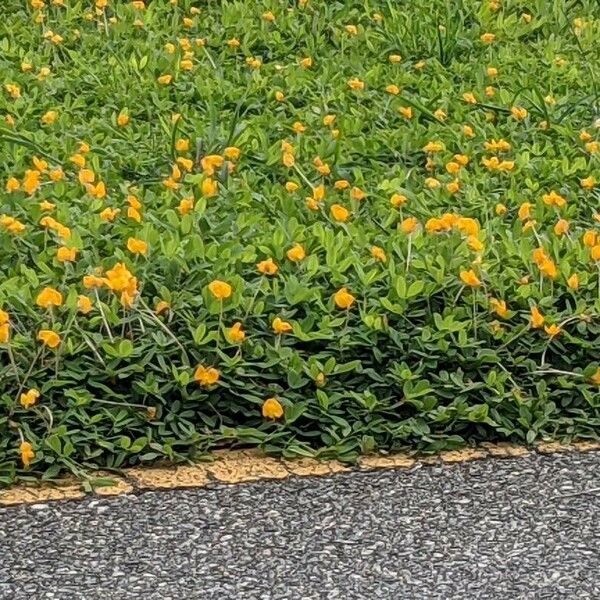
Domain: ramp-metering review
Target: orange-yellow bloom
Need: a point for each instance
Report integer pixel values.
(343, 298)
(272, 409)
(219, 289)
(49, 297)
(206, 376)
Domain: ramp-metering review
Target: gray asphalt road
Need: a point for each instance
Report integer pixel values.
(507, 529)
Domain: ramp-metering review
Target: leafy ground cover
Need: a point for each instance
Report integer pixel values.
(323, 228)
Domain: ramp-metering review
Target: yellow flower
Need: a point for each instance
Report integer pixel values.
(398, 200)
(231, 153)
(182, 145)
(339, 213)
(57, 174)
(378, 254)
(588, 183)
(395, 58)
(279, 96)
(236, 334)
(206, 376)
(29, 398)
(589, 238)
(356, 84)
(519, 113)
(27, 453)
(123, 120)
(298, 127)
(49, 338)
(64, 254)
(469, 98)
(573, 282)
(357, 194)
(306, 63)
(4, 333)
(109, 214)
(49, 117)
(186, 205)
(409, 225)
(136, 246)
(161, 307)
(470, 278)
(392, 89)
(272, 409)
(118, 279)
(561, 227)
(500, 209)
(84, 304)
(165, 79)
(12, 185)
(267, 267)
(491, 72)
(343, 298)
(499, 307)
(433, 147)
(329, 120)
(219, 289)
(209, 187)
(406, 112)
(296, 253)
(552, 330)
(280, 326)
(31, 182)
(475, 244)
(487, 38)
(537, 318)
(49, 297)
(525, 211)
(291, 186)
(14, 91)
(554, 199)
(595, 378)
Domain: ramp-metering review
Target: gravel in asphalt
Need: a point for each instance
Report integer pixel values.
(503, 529)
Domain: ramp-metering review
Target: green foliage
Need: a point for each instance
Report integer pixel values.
(419, 359)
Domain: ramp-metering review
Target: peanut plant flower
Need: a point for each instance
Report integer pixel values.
(537, 318)
(49, 297)
(49, 338)
(296, 253)
(162, 306)
(552, 330)
(267, 267)
(272, 409)
(236, 334)
(206, 376)
(280, 326)
(339, 213)
(136, 246)
(64, 254)
(343, 298)
(28, 399)
(378, 253)
(499, 307)
(84, 304)
(220, 289)
(409, 225)
(4, 333)
(27, 453)
(470, 278)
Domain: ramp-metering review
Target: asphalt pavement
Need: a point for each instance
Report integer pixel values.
(506, 529)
